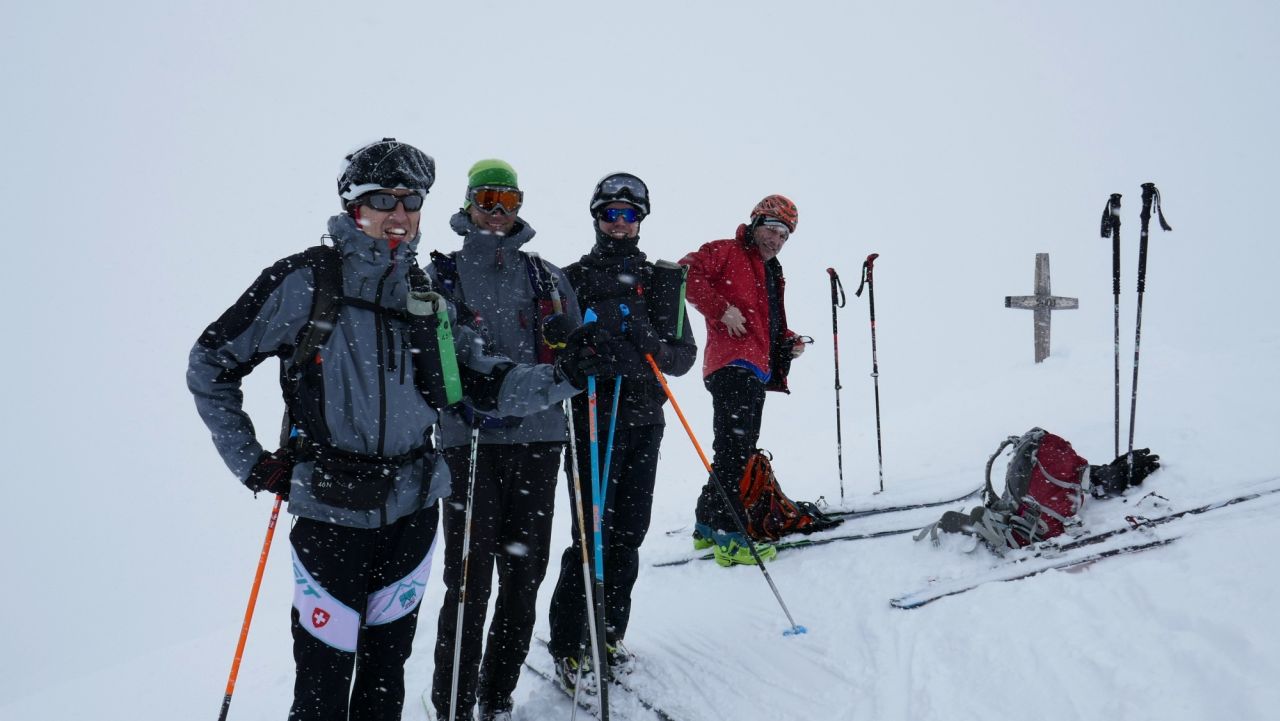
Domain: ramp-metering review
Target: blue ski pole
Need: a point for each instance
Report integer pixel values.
(597, 503)
(613, 418)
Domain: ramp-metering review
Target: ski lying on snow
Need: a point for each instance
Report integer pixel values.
(589, 702)
(796, 543)
(1140, 522)
(871, 511)
(1049, 555)
(1002, 574)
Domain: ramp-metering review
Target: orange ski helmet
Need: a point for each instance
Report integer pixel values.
(778, 207)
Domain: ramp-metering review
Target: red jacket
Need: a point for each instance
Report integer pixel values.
(731, 272)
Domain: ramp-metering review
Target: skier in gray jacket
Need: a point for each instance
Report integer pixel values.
(503, 293)
(356, 462)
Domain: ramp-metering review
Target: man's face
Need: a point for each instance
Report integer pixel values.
(618, 228)
(396, 225)
(499, 220)
(770, 239)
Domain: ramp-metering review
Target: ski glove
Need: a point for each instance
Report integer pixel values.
(272, 473)
(643, 337)
(556, 329)
(1113, 478)
(587, 352)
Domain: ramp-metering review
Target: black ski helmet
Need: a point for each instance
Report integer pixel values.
(621, 188)
(387, 163)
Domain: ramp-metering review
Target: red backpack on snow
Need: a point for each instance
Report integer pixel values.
(1043, 491)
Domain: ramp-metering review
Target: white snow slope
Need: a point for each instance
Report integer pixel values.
(160, 154)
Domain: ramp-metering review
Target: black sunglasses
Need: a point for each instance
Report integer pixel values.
(386, 202)
(612, 215)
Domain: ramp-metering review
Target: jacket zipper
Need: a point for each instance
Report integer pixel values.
(382, 374)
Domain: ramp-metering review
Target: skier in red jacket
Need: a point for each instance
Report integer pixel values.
(737, 286)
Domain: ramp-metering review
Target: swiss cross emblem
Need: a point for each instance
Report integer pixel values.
(319, 617)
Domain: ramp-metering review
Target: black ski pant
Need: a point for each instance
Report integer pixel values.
(356, 598)
(512, 504)
(737, 401)
(627, 509)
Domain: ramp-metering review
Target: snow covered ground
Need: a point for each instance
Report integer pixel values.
(160, 154)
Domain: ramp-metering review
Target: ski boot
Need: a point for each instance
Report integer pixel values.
(569, 672)
(621, 660)
(731, 548)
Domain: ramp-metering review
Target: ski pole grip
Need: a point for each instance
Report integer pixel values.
(867, 268)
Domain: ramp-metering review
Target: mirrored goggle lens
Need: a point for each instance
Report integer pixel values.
(490, 199)
(613, 215)
(386, 202)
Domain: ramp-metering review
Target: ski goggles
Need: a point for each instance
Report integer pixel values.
(623, 185)
(776, 226)
(613, 215)
(489, 199)
(386, 202)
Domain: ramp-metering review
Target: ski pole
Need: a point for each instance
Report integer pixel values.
(597, 503)
(248, 612)
(795, 629)
(575, 492)
(1111, 226)
(1149, 195)
(462, 589)
(613, 416)
(575, 495)
(869, 282)
(837, 287)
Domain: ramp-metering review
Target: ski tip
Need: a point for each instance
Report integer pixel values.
(796, 630)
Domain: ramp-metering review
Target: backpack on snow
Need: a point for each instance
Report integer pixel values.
(770, 513)
(1044, 490)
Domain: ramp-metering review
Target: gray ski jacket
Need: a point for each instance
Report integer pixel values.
(493, 282)
(370, 403)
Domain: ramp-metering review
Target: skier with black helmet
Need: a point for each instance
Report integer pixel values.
(737, 285)
(356, 460)
(616, 273)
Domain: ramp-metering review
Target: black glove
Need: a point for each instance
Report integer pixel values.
(272, 473)
(587, 352)
(556, 329)
(1113, 478)
(643, 337)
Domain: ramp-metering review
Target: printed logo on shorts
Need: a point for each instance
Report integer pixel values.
(409, 598)
(320, 614)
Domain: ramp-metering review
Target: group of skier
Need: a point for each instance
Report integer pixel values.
(396, 419)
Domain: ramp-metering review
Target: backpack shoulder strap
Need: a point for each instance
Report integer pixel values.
(989, 496)
(418, 280)
(326, 268)
(541, 279)
(446, 267)
(449, 283)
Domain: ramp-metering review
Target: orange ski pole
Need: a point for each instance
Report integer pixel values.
(248, 612)
(796, 629)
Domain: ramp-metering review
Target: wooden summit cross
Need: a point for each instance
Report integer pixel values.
(1043, 302)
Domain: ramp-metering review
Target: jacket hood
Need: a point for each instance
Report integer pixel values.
(351, 241)
(607, 245)
(612, 254)
(473, 236)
